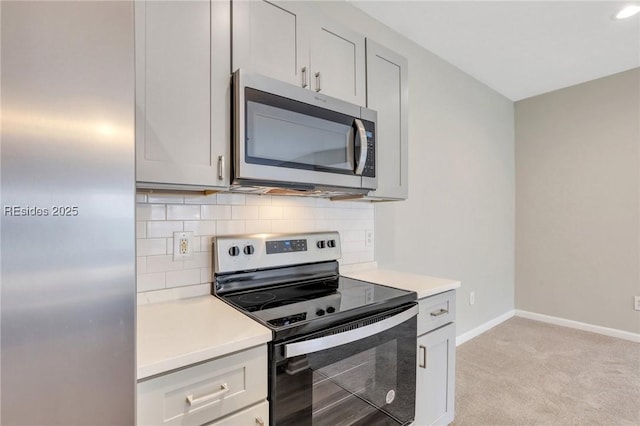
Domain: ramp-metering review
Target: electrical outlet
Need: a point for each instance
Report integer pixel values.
(182, 244)
(636, 303)
(472, 298)
(368, 238)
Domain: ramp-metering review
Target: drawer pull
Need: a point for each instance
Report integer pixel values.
(423, 361)
(439, 312)
(259, 421)
(224, 388)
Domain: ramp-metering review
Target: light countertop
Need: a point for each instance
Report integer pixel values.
(179, 333)
(423, 285)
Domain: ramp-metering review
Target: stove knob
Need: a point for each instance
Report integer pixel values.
(320, 312)
(330, 309)
(320, 244)
(331, 243)
(234, 251)
(248, 250)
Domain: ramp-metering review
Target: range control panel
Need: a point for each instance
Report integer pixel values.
(235, 253)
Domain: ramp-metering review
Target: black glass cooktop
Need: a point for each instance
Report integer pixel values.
(306, 306)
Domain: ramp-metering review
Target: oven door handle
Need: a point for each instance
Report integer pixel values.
(333, 340)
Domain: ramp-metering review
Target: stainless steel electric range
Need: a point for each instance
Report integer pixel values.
(343, 350)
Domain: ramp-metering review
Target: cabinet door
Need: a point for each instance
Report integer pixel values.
(435, 381)
(269, 39)
(388, 94)
(258, 415)
(182, 95)
(337, 61)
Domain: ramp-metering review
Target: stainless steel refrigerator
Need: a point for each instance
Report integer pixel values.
(67, 225)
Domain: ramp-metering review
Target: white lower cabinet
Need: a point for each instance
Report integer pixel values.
(436, 358)
(258, 415)
(230, 390)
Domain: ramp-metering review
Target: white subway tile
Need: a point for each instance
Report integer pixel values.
(163, 264)
(353, 246)
(201, 227)
(323, 203)
(213, 212)
(170, 246)
(362, 205)
(300, 213)
(141, 265)
(165, 198)
(158, 229)
(141, 229)
(229, 227)
(141, 198)
(368, 255)
(257, 226)
(305, 225)
(151, 246)
(271, 212)
(183, 212)
(199, 260)
(353, 235)
(341, 213)
(206, 275)
(349, 258)
(231, 198)
(288, 201)
(182, 278)
(148, 282)
(206, 243)
(245, 212)
(258, 200)
(150, 212)
(201, 199)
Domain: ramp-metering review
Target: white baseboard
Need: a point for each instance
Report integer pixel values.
(620, 334)
(464, 337)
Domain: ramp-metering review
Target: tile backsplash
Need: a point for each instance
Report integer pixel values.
(158, 216)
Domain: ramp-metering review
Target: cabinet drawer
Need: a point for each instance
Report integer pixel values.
(436, 311)
(258, 415)
(204, 392)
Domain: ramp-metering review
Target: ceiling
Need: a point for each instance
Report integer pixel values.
(519, 48)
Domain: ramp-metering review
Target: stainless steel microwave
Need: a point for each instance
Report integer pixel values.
(290, 137)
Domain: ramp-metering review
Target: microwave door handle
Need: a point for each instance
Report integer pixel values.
(331, 341)
(361, 136)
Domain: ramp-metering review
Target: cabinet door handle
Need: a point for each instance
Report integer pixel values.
(224, 388)
(439, 312)
(318, 88)
(221, 167)
(423, 357)
(305, 83)
(259, 421)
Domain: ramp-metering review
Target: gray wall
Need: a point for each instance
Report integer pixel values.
(459, 219)
(577, 210)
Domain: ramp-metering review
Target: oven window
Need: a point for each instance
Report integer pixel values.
(367, 382)
(288, 133)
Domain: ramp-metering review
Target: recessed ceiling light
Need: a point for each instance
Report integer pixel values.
(628, 11)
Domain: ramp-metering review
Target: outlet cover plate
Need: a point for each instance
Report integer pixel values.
(182, 245)
(636, 303)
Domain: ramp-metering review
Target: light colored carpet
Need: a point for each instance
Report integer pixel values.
(525, 372)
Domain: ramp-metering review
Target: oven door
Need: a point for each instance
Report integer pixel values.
(361, 373)
(293, 136)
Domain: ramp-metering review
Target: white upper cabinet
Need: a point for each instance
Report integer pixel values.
(182, 93)
(387, 93)
(296, 43)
